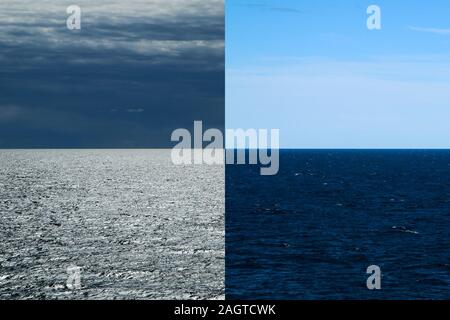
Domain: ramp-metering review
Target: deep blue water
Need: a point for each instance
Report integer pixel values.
(311, 231)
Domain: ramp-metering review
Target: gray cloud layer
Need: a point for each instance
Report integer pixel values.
(162, 57)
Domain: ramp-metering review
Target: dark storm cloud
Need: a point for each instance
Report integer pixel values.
(135, 71)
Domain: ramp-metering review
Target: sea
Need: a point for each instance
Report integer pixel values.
(312, 231)
(139, 227)
(135, 225)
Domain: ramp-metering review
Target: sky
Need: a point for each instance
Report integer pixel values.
(136, 71)
(315, 71)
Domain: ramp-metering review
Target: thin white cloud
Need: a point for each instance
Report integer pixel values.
(389, 102)
(135, 110)
(440, 31)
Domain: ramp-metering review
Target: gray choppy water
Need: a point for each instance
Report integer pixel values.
(138, 226)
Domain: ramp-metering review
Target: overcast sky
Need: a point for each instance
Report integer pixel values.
(134, 72)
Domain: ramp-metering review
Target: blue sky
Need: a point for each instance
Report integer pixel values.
(314, 70)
